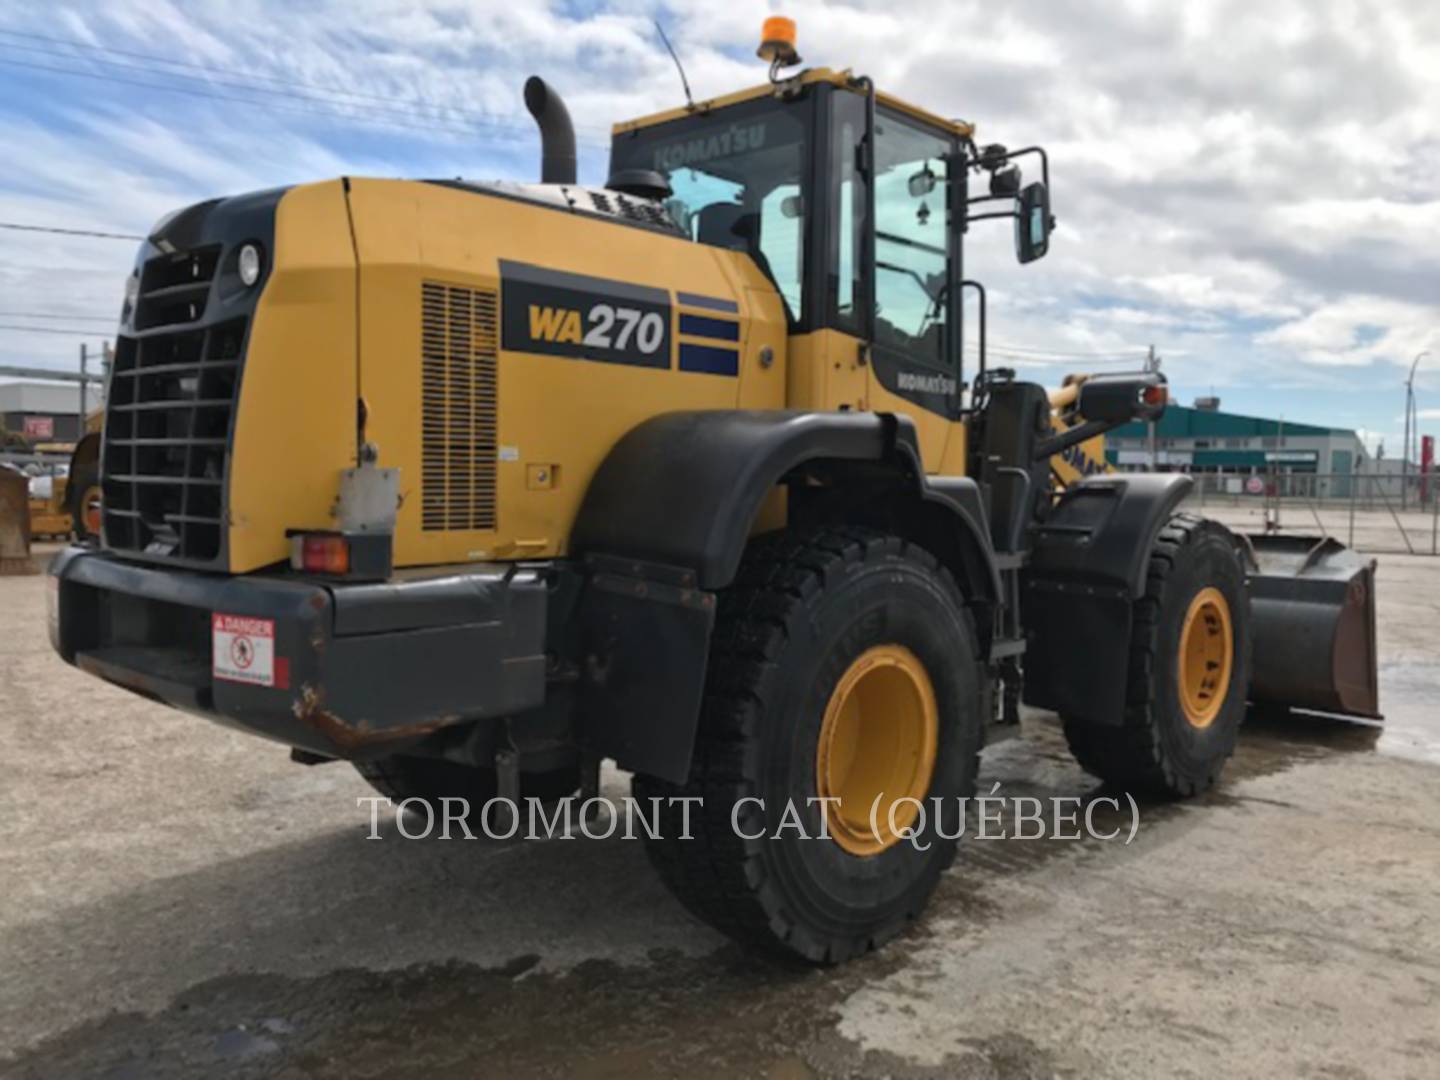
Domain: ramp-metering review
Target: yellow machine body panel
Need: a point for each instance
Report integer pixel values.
(475, 309)
(827, 372)
(942, 440)
(1079, 461)
(1083, 459)
(295, 423)
(51, 516)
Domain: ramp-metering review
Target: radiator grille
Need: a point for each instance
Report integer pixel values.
(167, 432)
(175, 287)
(458, 380)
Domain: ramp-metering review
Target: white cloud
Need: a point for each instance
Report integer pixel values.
(1248, 186)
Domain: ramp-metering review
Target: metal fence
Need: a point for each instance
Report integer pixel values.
(1382, 513)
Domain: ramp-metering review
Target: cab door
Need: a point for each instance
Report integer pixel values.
(914, 364)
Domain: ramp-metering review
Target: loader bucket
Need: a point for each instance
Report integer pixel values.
(1312, 619)
(14, 522)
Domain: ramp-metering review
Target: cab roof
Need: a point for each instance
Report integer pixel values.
(844, 79)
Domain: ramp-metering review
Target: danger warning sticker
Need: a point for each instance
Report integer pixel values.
(243, 649)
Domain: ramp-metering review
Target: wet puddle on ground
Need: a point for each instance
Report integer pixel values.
(1410, 700)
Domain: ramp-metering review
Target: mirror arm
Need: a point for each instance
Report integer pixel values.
(1044, 160)
(993, 214)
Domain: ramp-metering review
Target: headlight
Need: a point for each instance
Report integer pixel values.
(249, 264)
(132, 288)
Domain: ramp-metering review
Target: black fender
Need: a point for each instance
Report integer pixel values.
(665, 522)
(1087, 568)
(682, 488)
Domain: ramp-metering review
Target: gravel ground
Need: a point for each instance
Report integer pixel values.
(179, 899)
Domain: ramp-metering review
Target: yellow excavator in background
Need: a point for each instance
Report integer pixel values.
(72, 507)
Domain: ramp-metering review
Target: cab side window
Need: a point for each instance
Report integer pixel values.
(912, 249)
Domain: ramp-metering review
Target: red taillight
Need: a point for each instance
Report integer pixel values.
(1156, 395)
(324, 554)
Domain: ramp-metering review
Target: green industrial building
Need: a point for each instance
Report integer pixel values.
(1205, 440)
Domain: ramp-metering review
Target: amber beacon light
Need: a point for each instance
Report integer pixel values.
(777, 42)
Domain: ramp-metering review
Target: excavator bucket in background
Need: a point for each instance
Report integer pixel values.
(1312, 620)
(15, 522)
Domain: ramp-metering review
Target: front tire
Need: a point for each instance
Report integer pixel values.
(844, 665)
(1188, 670)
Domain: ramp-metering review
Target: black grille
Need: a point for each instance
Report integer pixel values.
(167, 422)
(174, 288)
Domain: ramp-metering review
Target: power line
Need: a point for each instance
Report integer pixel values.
(409, 124)
(1137, 353)
(247, 79)
(67, 232)
(109, 319)
(53, 330)
(268, 105)
(398, 110)
(1038, 358)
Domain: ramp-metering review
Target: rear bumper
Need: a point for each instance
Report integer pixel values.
(357, 669)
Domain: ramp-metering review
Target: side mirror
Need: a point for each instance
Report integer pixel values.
(1032, 222)
(922, 183)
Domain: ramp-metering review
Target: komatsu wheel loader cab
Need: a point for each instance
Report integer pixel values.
(478, 484)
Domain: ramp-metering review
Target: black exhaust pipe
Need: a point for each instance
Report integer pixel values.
(557, 134)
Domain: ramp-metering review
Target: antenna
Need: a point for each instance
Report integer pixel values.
(689, 100)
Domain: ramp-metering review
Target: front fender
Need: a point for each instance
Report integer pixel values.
(1087, 568)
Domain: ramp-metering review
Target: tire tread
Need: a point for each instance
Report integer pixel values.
(1134, 754)
(714, 875)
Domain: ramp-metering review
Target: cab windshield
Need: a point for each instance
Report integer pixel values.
(736, 178)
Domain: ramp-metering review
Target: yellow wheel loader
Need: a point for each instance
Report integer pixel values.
(83, 494)
(72, 505)
(478, 484)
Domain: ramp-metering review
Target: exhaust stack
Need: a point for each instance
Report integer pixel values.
(557, 134)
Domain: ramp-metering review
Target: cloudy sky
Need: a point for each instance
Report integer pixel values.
(1250, 186)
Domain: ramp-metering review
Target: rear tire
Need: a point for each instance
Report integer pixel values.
(1173, 743)
(84, 493)
(808, 620)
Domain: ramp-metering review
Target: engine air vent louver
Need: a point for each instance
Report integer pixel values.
(458, 387)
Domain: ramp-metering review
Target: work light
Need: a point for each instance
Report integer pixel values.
(249, 264)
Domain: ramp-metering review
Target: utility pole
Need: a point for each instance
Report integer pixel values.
(1409, 411)
(84, 386)
(1152, 363)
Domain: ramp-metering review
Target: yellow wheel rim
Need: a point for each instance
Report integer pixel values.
(90, 509)
(877, 739)
(1206, 654)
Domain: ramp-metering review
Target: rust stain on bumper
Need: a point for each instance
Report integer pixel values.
(310, 710)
